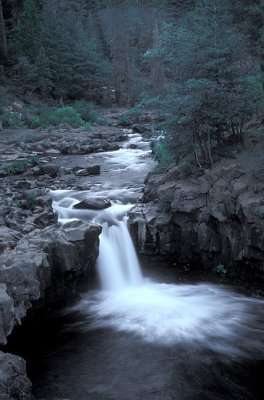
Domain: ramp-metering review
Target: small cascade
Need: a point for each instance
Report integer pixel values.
(118, 265)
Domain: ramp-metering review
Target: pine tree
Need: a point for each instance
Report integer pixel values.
(3, 40)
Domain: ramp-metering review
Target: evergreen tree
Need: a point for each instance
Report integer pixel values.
(211, 81)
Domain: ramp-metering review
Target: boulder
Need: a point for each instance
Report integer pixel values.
(90, 170)
(8, 238)
(14, 383)
(93, 203)
(141, 128)
(49, 169)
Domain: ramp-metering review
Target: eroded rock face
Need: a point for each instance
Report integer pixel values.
(41, 264)
(214, 219)
(45, 267)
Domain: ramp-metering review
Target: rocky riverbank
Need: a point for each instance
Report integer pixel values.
(214, 221)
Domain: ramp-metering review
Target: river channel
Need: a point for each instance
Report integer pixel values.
(135, 337)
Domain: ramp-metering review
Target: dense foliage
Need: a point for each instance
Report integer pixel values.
(200, 61)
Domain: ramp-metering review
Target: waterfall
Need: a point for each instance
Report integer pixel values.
(117, 264)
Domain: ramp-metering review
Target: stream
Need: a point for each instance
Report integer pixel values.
(137, 337)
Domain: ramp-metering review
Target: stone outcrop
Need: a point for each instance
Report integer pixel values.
(211, 220)
(41, 265)
(14, 383)
(44, 269)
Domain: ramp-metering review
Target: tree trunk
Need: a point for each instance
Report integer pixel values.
(3, 46)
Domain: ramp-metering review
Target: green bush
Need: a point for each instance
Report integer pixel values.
(17, 167)
(10, 119)
(86, 111)
(221, 269)
(123, 120)
(161, 153)
(64, 148)
(34, 121)
(66, 115)
(129, 116)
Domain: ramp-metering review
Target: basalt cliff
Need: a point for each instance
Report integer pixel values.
(213, 221)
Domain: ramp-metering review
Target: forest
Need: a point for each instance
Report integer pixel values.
(199, 63)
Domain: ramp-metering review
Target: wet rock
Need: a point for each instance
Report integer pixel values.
(141, 128)
(14, 383)
(91, 170)
(93, 203)
(133, 146)
(49, 169)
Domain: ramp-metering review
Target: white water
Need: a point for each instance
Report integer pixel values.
(203, 315)
(117, 264)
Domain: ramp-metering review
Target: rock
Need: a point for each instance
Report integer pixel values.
(14, 383)
(45, 268)
(6, 314)
(91, 170)
(1, 126)
(140, 128)
(18, 106)
(30, 120)
(217, 218)
(132, 146)
(119, 138)
(52, 152)
(64, 126)
(8, 238)
(49, 169)
(93, 203)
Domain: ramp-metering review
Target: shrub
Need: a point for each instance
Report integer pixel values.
(64, 148)
(129, 117)
(221, 269)
(66, 115)
(10, 119)
(86, 111)
(161, 153)
(17, 167)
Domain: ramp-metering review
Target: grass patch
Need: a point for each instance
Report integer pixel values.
(20, 166)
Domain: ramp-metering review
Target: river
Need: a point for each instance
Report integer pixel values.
(136, 337)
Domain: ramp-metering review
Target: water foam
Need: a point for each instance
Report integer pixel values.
(166, 314)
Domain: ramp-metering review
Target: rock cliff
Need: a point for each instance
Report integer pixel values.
(40, 268)
(214, 221)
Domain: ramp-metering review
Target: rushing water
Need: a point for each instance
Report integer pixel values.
(136, 338)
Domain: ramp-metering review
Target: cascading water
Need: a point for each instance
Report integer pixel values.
(118, 266)
(157, 312)
(140, 339)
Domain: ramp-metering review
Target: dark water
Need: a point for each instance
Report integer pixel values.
(68, 362)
